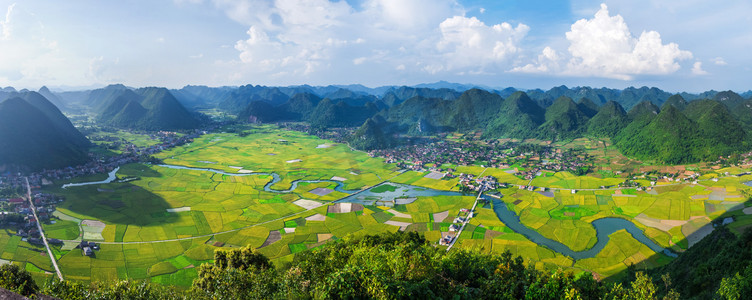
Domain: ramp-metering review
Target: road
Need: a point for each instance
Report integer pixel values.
(467, 220)
(41, 231)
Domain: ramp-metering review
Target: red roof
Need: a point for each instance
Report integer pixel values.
(16, 200)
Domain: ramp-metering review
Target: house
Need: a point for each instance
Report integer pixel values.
(87, 251)
(14, 201)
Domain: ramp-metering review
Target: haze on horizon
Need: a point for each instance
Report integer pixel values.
(688, 45)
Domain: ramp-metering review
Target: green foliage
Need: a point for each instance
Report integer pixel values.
(713, 264)
(519, 117)
(609, 121)
(329, 113)
(705, 132)
(17, 280)
(677, 101)
(369, 137)
(124, 289)
(564, 120)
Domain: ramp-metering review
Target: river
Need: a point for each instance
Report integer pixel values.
(603, 227)
(110, 178)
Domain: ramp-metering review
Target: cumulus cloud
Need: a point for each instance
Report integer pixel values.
(697, 69)
(604, 47)
(294, 37)
(468, 42)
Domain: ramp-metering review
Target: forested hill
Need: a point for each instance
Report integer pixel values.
(148, 108)
(646, 123)
(35, 135)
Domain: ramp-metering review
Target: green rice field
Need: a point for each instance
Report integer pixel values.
(164, 225)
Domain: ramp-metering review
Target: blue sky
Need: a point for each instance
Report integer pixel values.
(688, 45)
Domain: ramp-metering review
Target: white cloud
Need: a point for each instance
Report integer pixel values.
(482, 10)
(604, 47)
(697, 69)
(719, 61)
(298, 37)
(468, 42)
(548, 60)
(6, 24)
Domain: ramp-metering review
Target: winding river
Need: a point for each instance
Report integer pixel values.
(603, 227)
(110, 178)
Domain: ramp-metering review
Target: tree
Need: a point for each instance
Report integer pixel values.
(17, 280)
(238, 274)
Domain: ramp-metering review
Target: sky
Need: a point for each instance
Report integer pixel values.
(676, 45)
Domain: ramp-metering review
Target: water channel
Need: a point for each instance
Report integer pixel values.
(110, 178)
(404, 193)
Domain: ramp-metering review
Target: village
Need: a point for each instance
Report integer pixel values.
(99, 164)
(17, 213)
(526, 161)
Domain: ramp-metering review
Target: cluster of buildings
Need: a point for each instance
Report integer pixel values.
(17, 212)
(468, 183)
(527, 160)
(99, 165)
(339, 135)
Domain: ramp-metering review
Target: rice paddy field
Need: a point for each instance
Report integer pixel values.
(169, 221)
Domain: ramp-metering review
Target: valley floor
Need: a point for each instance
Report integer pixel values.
(277, 190)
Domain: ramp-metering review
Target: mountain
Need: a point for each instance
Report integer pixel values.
(420, 116)
(474, 109)
(98, 99)
(396, 96)
(261, 111)
(609, 121)
(452, 86)
(564, 120)
(239, 99)
(519, 117)
(588, 107)
(719, 132)
(45, 92)
(370, 136)
(350, 97)
(743, 113)
(148, 108)
(729, 98)
(677, 101)
(668, 138)
(300, 106)
(329, 114)
(643, 110)
(33, 139)
(56, 117)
